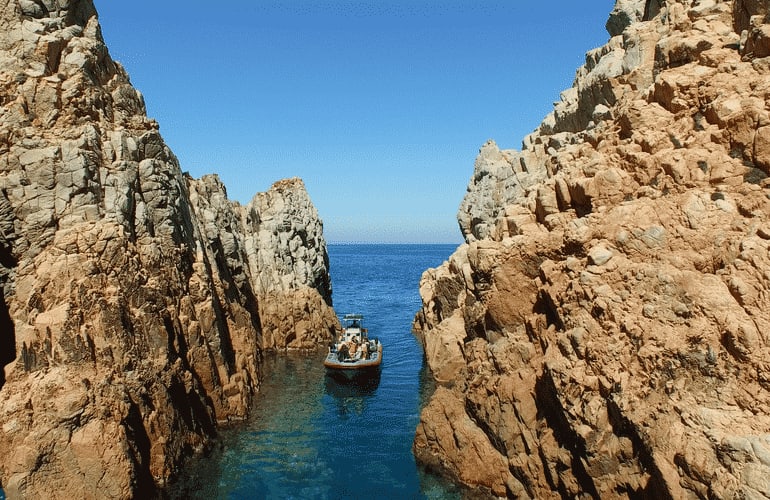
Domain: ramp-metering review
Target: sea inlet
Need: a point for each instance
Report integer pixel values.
(311, 436)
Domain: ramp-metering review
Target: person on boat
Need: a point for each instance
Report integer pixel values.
(353, 347)
(343, 353)
(365, 350)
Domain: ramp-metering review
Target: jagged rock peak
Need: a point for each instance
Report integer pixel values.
(136, 299)
(604, 330)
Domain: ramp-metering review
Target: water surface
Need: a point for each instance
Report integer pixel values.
(312, 437)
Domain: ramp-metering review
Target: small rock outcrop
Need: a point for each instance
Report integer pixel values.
(288, 253)
(136, 300)
(274, 250)
(604, 331)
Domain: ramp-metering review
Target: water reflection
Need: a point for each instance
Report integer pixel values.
(356, 388)
(350, 396)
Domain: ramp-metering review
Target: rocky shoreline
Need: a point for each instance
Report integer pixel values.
(136, 299)
(604, 330)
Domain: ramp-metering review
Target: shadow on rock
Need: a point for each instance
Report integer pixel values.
(7, 331)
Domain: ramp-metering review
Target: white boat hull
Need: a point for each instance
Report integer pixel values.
(354, 354)
(350, 368)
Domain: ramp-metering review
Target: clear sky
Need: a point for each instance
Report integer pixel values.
(380, 106)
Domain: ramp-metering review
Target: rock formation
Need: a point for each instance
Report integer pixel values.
(291, 272)
(136, 300)
(605, 330)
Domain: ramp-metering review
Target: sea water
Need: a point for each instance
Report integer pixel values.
(310, 436)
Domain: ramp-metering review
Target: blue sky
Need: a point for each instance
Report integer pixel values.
(380, 106)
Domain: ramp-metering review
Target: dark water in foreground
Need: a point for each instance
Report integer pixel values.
(312, 437)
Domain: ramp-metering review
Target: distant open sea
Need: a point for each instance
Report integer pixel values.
(312, 437)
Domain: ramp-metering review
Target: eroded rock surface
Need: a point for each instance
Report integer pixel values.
(136, 300)
(604, 332)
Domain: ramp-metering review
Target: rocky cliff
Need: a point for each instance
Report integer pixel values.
(136, 300)
(605, 330)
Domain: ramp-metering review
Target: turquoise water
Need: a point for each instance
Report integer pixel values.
(312, 437)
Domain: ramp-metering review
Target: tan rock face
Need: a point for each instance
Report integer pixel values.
(286, 248)
(136, 299)
(614, 288)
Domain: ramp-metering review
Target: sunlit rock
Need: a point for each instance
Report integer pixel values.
(615, 288)
(136, 299)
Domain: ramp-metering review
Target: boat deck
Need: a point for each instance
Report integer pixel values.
(353, 363)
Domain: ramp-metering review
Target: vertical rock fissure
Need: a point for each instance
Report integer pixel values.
(551, 409)
(7, 263)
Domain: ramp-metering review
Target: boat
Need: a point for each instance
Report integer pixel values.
(354, 354)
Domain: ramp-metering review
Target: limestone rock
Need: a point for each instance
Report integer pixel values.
(136, 299)
(614, 288)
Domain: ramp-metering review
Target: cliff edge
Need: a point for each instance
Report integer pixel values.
(136, 300)
(605, 330)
